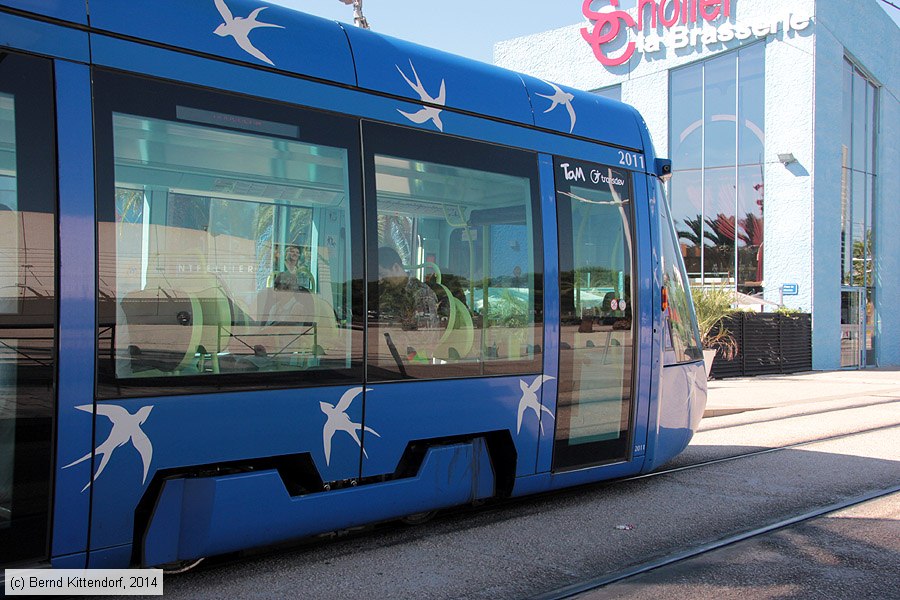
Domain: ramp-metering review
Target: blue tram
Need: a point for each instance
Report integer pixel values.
(267, 276)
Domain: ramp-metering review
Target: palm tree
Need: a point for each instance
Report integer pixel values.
(694, 232)
(862, 261)
(722, 230)
(396, 231)
(751, 230)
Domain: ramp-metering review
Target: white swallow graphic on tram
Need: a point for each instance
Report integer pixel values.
(560, 97)
(339, 421)
(239, 28)
(530, 400)
(126, 428)
(428, 112)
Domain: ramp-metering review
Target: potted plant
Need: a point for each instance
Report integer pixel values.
(712, 305)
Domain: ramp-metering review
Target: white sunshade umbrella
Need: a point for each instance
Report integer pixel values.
(754, 302)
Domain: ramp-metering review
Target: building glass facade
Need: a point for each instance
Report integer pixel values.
(779, 118)
(717, 141)
(858, 144)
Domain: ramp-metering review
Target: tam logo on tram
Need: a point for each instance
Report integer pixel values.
(266, 282)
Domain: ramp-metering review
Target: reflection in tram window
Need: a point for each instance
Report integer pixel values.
(228, 253)
(456, 262)
(681, 341)
(596, 334)
(9, 300)
(28, 305)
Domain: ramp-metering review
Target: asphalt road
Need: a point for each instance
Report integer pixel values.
(532, 546)
(851, 553)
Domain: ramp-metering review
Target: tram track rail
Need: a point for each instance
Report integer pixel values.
(577, 589)
(499, 510)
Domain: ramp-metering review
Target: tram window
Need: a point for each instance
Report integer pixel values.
(9, 286)
(595, 211)
(28, 304)
(680, 335)
(452, 257)
(225, 251)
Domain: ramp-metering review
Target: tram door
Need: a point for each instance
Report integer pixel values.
(27, 305)
(594, 411)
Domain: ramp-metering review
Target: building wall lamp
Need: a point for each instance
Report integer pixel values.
(787, 159)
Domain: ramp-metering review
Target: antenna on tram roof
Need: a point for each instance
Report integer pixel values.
(358, 18)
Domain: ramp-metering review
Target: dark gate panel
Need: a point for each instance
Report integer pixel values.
(796, 343)
(761, 349)
(767, 344)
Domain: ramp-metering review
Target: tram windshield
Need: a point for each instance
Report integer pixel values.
(681, 340)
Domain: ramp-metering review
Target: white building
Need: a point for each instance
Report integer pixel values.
(782, 119)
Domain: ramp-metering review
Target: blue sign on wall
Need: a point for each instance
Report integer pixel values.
(790, 289)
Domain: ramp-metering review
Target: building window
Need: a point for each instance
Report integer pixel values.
(717, 137)
(613, 92)
(860, 100)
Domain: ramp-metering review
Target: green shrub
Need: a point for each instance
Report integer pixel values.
(712, 305)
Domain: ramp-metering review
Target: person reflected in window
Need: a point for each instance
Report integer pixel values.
(402, 298)
(295, 277)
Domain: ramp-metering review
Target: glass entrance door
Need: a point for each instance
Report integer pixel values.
(852, 328)
(27, 305)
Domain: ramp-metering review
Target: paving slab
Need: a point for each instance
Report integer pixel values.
(730, 396)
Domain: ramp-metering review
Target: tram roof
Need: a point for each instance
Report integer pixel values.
(350, 56)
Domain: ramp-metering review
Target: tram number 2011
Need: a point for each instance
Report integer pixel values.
(639, 448)
(630, 159)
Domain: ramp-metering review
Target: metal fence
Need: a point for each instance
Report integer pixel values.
(767, 344)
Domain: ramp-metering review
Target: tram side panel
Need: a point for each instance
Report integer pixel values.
(242, 451)
(77, 335)
(190, 248)
(180, 476)
(67, 10)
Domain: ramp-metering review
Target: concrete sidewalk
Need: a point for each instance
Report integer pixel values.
(730, 396)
